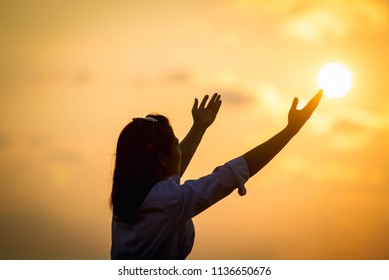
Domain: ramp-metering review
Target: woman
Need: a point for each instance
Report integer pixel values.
(152, 212)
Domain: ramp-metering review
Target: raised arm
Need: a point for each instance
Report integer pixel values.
(203, 116)
(258, 157)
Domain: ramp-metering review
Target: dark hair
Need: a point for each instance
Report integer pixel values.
(136, 165)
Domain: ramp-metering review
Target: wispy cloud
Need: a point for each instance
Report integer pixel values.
(314, 25)
(350, 129)
(177, 76)
(315, 20)
(236, 98)
(336, 19)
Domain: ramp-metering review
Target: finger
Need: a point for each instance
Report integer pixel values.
(312, 104)
(294, 104)
(218, 97)
(196, 103)
(218, 105)
(211, 103)
(202, 104)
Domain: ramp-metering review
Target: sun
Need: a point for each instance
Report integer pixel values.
(335, 79)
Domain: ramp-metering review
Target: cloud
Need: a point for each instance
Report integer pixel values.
(177, 76)
(272, 100)
(314, 25)
(313, 21)
(350, 129)
(167, 78)
(236, 98)
(361, 118)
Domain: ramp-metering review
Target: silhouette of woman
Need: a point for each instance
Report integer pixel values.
(152, 212)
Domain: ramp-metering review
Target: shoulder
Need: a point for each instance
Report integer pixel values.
(164, 193)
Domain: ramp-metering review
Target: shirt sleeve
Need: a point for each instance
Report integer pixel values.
(194, 196)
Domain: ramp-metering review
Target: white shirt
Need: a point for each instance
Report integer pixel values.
(163, 227)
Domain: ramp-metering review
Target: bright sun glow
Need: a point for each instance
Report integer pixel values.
(335, 79)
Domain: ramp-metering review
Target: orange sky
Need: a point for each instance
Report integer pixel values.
(73, 74)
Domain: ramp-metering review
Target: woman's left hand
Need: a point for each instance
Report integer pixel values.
(297, 118)
(204, 115)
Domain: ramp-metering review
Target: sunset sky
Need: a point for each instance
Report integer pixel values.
(74, 73)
